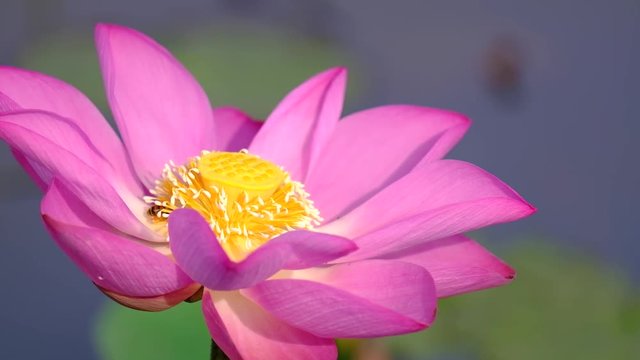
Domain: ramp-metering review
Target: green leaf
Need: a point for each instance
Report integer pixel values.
(177, 333)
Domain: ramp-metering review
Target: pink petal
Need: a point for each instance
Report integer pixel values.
(299, 128)
(435, 200)
(112, 261)
(234, 129)
(362, 299)
(458, 265)
(6, 103)
(161, 111)
(55, 147)
(29, 90)
(6, 106)
(373, 148)
(154, 303)
(200, 255)
(243, 330)
(39, 176)
(61, 132)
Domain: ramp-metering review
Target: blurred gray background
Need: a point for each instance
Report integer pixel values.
(552, 87)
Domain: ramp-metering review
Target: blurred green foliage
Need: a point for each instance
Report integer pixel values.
(71, 58)
(252, 68)
(243, 66)
(177, 333)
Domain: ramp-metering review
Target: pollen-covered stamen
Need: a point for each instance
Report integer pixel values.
(246, 200)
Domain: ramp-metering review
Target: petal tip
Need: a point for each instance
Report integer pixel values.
(506, 271)
(464, 120)
(347, 246)
(528, 208)
(104, 26)
(350, 247)
(338, 70)
(461, 119)
(335, 74)
(104, 30)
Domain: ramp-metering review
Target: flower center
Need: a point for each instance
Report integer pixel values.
(246, 200)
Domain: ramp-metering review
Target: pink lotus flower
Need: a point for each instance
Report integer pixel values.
(283, 275)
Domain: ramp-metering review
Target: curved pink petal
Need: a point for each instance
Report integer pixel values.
(154, 303)
(234, 128)
(61, 132)
(243, 330)
(200, 255)
(29, 90)
(298, 129)
(435, 200)
(458, 265)
(161, 111)
(361, 299)
(39, 176)
(373, 148)
(112, 261)
(55, 147)
(6, 103)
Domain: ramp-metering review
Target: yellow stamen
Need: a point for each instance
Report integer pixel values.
(246, 200)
